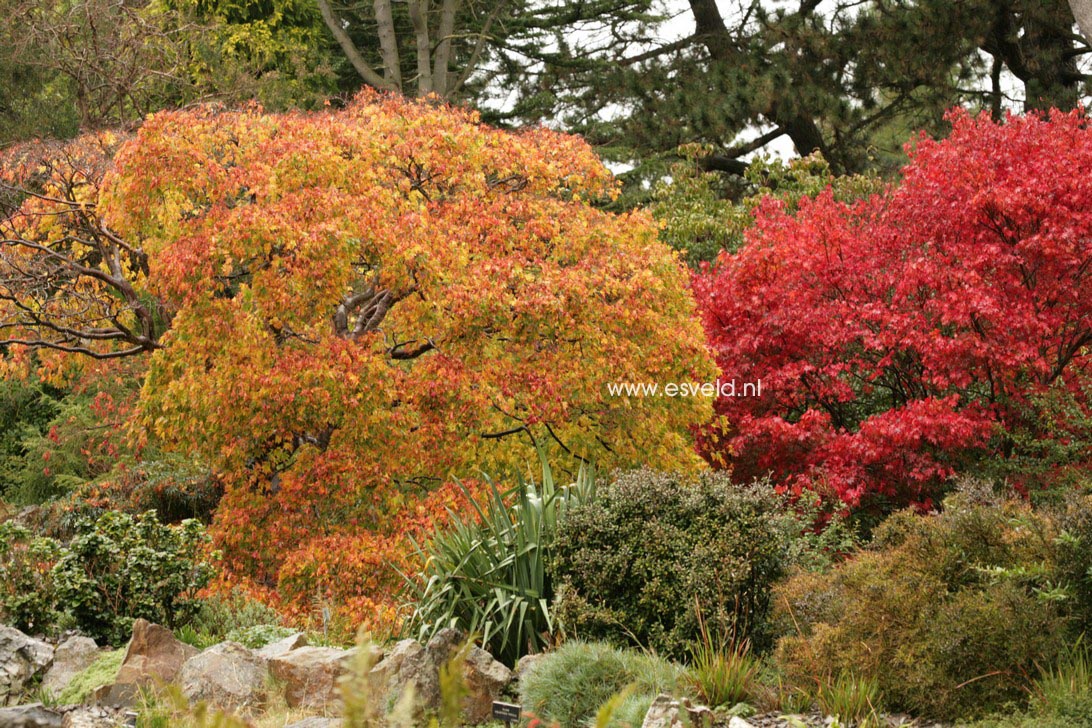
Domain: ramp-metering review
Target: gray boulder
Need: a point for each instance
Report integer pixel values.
(282, 646)
(667, 712)
(310, 675)
(22, 658)
(486, 679)
(407, 663)
(72, 656)
(94, 716)
(410, 664)
(226, 675)
(316, 722)
(34, 715)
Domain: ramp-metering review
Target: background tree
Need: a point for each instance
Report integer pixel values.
(463, 49)
(901, 338)
(94, 64)
(276, 51)
(850, 80)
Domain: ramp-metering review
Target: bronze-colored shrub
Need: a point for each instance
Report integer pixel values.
(952, 613)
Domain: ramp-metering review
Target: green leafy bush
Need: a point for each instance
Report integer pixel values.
(121, 567)
(638, 563)
(950, 614)
(703, 213)
(488, 575)
(27, 600)
(26, 409)
(570, 684)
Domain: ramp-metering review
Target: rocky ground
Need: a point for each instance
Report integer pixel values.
(237, 679)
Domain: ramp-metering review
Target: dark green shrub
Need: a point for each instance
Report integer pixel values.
(27, 599)
(638, 563)
(174, 487)
(570, 684)
(232, 615)
(951, 614)
(1073, 557)
(1062, 696)
(26, 409)
(121, 567)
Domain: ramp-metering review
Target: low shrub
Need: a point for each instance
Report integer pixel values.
(120, 567)
(570, 684)
(1062, 696)
(232, 612)
(259, 635)
(951, 614)
(638, 564)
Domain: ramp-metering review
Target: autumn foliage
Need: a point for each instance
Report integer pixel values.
(364, 303)
(924, 329)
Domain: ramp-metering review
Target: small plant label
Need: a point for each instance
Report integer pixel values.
(507, 712)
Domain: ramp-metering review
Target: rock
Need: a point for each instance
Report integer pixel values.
(486, 679)
(310, 675)
(527, 663)
(444, 644)
(154, 657)
(227, 676)
(94, 716)
(22, 658)
(34, 715)
(71, 657)
(737, 722)
(316, 722)
(117, 695)
(282, 646)
(392, 661)
(408, 663)
(665, 712)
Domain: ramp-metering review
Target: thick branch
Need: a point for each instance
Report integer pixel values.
(418, 10)
(333, 22)
(441, 67)
(388, 43)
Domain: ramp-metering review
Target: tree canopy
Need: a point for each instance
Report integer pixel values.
(348, 307)
(903, 337)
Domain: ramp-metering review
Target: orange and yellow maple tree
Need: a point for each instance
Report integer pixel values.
(365, 303)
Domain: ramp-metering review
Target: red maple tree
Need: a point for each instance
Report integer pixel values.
(904, 336)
